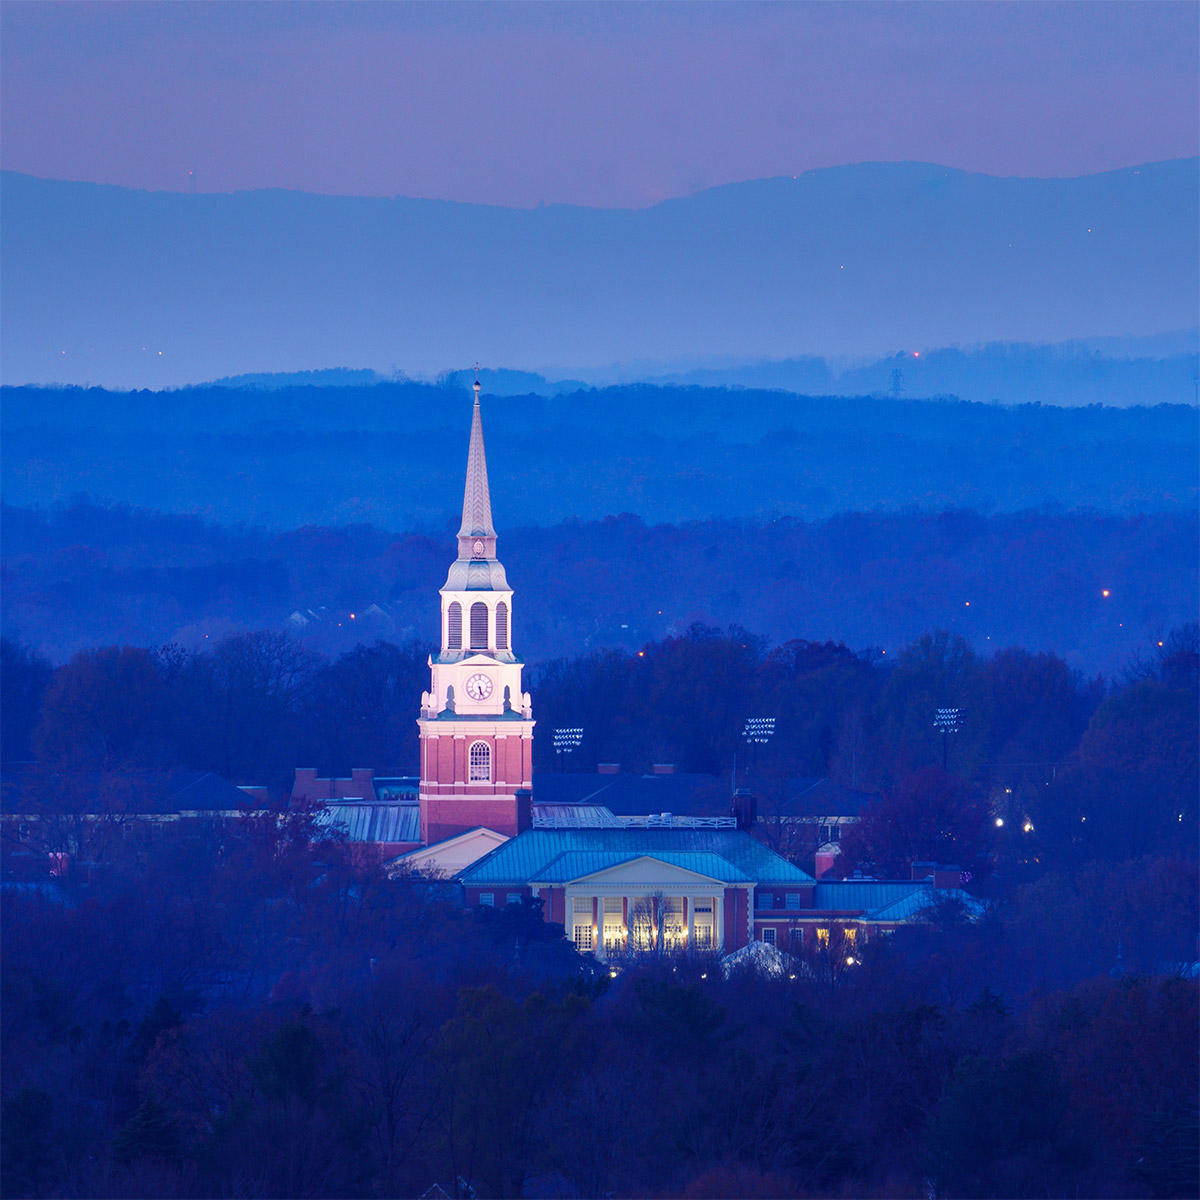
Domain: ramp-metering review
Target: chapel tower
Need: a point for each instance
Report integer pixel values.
(476, 723)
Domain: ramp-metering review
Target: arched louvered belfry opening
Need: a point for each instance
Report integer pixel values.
(480, 759)
(479, 626)
(501, 626)
(454, 632)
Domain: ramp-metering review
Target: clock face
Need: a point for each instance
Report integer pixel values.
(479, 687)
(478, 548)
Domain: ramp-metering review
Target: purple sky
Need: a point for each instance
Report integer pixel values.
(602, 104)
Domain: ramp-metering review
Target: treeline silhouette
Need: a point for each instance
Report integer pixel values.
(253, 1009)
(86, 574)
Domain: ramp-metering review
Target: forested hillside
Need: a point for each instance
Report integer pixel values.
(393, 454)
(86, 574)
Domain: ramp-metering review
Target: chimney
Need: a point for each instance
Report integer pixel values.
(664, 768)
(923, 870)
(947, 877)
(608, 768)
(823, 865)
(305, 787)
(745, 808)
(362, 782)
(524, 809)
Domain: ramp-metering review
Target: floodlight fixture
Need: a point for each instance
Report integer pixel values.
(948, 720)
(759, 730)
(566, 740)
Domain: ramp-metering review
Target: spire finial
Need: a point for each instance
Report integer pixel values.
(477, 503)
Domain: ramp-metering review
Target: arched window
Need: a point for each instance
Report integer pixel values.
(454, 634)
(481, 762)
(501, 626)
(479, 624)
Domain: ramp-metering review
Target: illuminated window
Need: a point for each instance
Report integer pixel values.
(501, 626)
(583, 936)
(454, 632)
(851, 935)
(614, 921)
(823, 938)
(481, 762)
(769, 936)
(487, 899)
(702, 923)
(673, 926)
(479, 626)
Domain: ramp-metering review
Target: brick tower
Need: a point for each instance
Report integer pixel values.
(476, 724)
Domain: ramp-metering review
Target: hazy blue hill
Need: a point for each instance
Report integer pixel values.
(393, 454)
(851, 259)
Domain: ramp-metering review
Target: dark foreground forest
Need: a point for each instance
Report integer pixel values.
(251, 1009)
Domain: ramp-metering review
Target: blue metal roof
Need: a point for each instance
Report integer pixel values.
(524, 857)
(367, 822)
(887, 899)
(574, 864)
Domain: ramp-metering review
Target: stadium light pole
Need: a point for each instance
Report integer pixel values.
(948, 720)
(758, 731)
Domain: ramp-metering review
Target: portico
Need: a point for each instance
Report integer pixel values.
(642, 906)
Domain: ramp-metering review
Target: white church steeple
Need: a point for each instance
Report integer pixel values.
(476, 723)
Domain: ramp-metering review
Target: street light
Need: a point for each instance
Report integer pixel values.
(758, 731)
(948, 720)
(566, 740)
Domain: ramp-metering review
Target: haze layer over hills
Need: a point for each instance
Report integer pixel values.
(131, 289)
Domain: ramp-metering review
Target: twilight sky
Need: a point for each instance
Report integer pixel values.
(601, 104)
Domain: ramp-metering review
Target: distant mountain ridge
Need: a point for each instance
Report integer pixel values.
(104, 284)
(1067, 375)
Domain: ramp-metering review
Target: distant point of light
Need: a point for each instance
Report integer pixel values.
(352, 616)
(1160, 643)
(642, 653)
(967, 603)
(916, 354)
(999, 822)
(1105, 593)
(1028, 826)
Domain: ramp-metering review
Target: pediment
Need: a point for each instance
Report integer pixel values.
(456, 853)
(647, 869)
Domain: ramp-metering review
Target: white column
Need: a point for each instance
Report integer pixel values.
(691, 923)
(719, 922)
